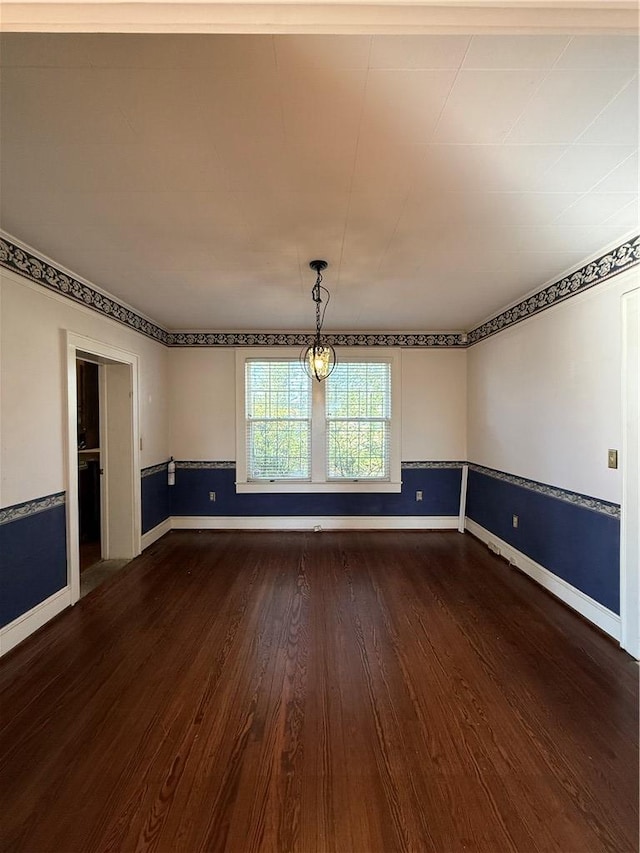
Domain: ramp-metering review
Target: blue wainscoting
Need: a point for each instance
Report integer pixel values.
(33, 554)
(155, 496)
(190, 496)
(578, 538)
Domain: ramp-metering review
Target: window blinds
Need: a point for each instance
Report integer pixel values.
(358, 421)
(278, 413)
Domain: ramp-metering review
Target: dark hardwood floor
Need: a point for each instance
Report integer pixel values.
(350, 692)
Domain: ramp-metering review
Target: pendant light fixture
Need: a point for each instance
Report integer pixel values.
(319, 358)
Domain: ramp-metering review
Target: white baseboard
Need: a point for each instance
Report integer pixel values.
(18, 630)
(586, 606)
(302, 522)
(155, 533)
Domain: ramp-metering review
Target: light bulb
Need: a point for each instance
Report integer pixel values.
(318, 357)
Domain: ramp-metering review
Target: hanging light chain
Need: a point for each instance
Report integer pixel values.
(319, 357)
(317, 298)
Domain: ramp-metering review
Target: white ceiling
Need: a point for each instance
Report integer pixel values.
(442, 176)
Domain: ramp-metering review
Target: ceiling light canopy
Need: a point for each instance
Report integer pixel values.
(319, 358)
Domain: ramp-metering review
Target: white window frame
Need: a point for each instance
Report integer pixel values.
(319, 483)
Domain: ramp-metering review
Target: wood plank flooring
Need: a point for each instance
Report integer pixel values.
(350, 692)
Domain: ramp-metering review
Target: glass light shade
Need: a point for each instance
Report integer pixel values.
(319, 359)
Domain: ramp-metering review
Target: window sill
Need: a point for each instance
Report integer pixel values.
(290, 487)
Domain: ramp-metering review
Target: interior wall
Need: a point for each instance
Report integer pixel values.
(545, 395)
(33, 416)
(203, 440)
(434, 405)
(202, 390)
(33, 383)
(545, 405)
(120, 536)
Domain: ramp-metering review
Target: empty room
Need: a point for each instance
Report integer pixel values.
(319, 444)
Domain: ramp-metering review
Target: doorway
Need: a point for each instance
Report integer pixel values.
(89, 463)
(103, 466)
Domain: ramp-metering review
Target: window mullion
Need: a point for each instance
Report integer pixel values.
(318, 434)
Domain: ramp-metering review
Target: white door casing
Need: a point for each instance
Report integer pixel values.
(630, 461)
(120, 453)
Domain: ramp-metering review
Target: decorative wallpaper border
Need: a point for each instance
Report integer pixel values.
(232, 464)
(432, 464)
(27, 264)
(153, 469)
(301, 339)
(613, 263)
(28, 508)
(205, 465)
(584, 501)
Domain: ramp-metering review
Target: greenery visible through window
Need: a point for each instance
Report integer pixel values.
(358, 413)
(278, 409)
(352, 407)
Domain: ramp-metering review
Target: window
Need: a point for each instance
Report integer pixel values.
(358, 421)
(278, 412)
(297, 435)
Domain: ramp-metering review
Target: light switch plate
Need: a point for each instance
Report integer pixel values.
(612, 457)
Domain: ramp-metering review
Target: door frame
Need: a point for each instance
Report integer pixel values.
(80, 346)
(630, 462)
(102, 444)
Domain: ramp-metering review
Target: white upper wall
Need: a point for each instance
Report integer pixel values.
(545, 395)
(202, 391)
(33, 323)
(434, 405)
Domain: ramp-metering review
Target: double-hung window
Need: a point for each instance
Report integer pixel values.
(295, 434)
(278, 421)
(358, 421)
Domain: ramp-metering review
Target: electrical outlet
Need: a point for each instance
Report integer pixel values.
(419, 495)
(612, 458)
(515, 520)
(212, 496)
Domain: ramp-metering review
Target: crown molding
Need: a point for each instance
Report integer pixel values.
(338, 16)
(27, 264)
(36, 268)
(608, 265)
